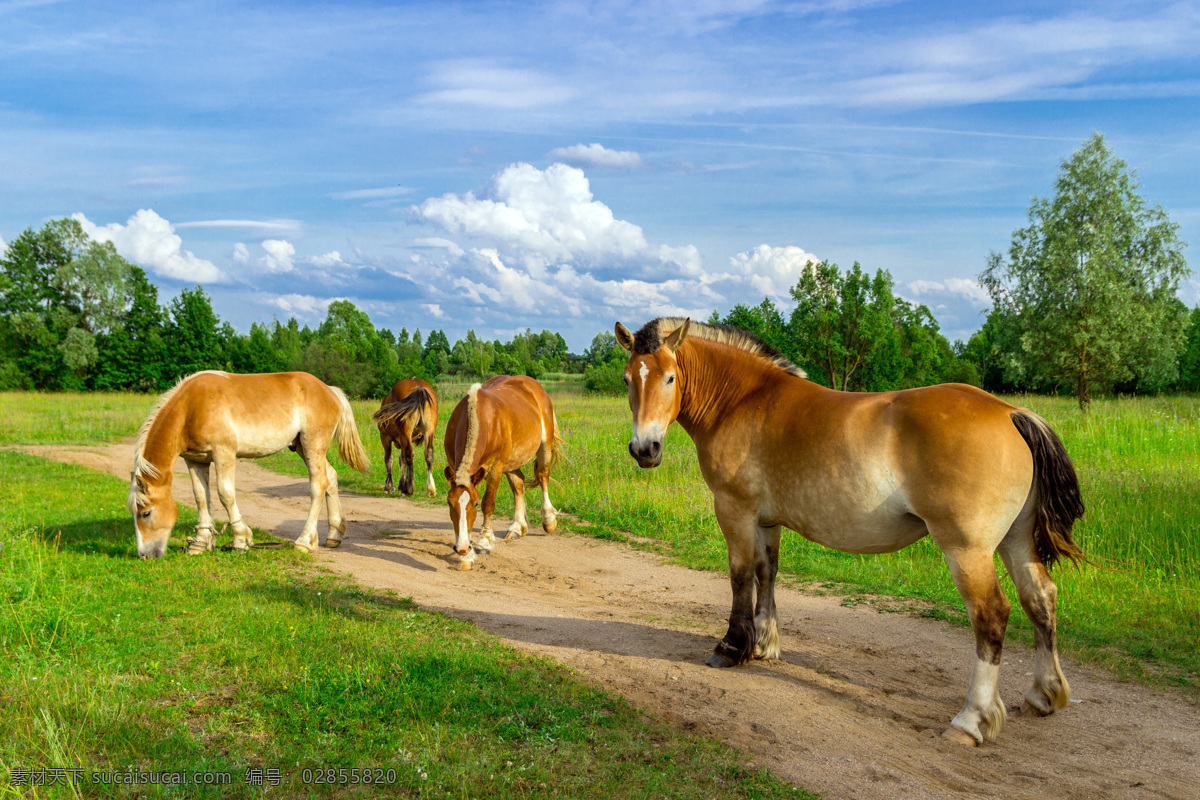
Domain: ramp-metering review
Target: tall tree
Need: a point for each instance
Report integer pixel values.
(1089, 285)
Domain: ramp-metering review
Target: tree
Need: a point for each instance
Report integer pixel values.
(1189, 358)
(193, 337)
(840, 321)
(1088, 286)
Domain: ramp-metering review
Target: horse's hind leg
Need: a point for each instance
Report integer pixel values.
(487, 539)
(975, 576)
(318, 483)
(430, 486)
(388, 486)
(406, 466)
(206, 532)
(520, 525)
(226, 464)
(542, 470)
(766, 617)
(333, 504)
(1038, 594)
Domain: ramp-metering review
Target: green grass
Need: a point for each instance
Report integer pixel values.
(223, 663)
(41, 418)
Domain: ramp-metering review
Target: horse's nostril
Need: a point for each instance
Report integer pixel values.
(655, 448)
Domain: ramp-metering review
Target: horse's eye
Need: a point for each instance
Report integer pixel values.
(626, 379)
(670, 379)
(144, 514)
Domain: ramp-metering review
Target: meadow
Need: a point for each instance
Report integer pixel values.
(264, 676)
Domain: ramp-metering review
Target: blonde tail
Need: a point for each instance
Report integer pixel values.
(350, 447)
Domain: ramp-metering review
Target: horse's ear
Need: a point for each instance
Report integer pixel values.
(140, 481)
(678, 335)
(624, 337)
(449, 473)
(477, 478)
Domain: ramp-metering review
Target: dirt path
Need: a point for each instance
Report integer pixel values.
(852, 710)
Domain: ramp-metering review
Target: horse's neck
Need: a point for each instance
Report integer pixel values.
(164, 442)
(716, 380)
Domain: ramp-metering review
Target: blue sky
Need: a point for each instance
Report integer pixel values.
(498, 166)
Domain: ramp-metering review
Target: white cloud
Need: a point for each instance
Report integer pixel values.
(771, 271)
(331, 259)
(482, 84)
(544, 217)
(435, 309)
(240, 254)
(372, 194)
(598, 156)
(437, 241)
(302, 305)
(278, 257)
(961, 287)
(150, 241)
(292, 226)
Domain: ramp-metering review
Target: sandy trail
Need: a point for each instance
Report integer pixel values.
(853, 709)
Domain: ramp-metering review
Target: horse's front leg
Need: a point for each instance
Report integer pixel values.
(741, 538)
(206, 532)
(318, 483)
(520, 525)
(226, 464)
(487, 540)
(766, 618)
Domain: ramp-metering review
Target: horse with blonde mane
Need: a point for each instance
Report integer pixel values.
(408, 416)
(215, 418)
(496, 429)
(864, 473)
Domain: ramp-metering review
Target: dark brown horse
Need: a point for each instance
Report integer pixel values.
(863, 473)
(408, 416)
(495, 430)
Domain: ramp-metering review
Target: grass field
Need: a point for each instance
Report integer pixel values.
(229, 664)
(1138, 462)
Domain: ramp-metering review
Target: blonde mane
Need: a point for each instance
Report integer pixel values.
(463, 476)
(649, 339)
(142, 468)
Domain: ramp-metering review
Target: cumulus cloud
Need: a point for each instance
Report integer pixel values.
(597, 156)
(278, 257)
(151, 242)
(331, 259)
(435, 309)
(771, 271)
(543, 217)
(302, 305)
(961, 287)
(240, 254)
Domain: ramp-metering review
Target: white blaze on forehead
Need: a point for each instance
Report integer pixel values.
(464, 535)
(643, 371)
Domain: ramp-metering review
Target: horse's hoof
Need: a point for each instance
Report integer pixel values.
(303, 548)
(332, 543)
(1030, 710)
(551, 526)
(953, 734)
(512, 535)
(720, 661)
(465, 565)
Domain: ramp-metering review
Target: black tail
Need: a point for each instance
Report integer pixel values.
(1058, 501)
(412, 407)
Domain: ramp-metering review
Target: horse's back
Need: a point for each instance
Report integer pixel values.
(515, 417)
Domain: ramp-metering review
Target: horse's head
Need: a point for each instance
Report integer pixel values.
(154, 514)
(463, 502)
(652, 378)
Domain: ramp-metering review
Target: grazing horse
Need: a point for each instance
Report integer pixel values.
(863, 473)
(216, 418)
(408, 415)
(495, 430)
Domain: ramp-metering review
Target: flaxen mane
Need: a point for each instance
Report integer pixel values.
(142, 468)
(649, 339)
(463, 476)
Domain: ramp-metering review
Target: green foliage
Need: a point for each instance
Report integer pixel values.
(1089, 287)
(1189, 358)
(605, 378)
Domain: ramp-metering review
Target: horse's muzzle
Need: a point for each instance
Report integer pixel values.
(647, 454)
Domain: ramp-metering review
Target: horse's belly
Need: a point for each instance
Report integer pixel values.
(883, 527)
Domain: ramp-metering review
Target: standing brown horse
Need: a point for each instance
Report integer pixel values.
(216, 418)
(863, 473)
(495, 430)
(408, 415)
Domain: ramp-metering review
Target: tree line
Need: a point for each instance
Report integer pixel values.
(1085, 301)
